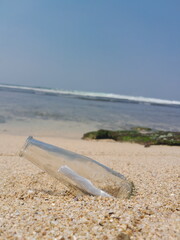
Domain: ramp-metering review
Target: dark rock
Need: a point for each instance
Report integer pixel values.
(140, 135)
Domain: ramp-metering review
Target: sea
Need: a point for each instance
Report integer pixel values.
(38, 111)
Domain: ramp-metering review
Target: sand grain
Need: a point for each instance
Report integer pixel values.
(35, 206)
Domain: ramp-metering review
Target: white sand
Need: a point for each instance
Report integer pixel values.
(35, 206)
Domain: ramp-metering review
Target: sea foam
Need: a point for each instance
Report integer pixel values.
(94, 95)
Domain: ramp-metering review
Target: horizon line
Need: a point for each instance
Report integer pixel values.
(93, 94)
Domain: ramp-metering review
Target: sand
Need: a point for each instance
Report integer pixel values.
(33, 205)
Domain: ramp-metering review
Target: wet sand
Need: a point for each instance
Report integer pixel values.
(35, 206)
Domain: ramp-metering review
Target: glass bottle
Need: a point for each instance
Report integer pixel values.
(79, 173)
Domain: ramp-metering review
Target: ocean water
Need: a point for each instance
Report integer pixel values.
(40, 111)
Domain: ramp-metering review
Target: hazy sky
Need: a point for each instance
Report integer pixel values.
(129, 47)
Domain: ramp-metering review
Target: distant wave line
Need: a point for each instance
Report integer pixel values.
(94, 95)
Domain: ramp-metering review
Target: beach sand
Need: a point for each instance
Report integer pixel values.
(33, 205)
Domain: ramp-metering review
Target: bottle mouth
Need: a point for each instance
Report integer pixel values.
(25, 146)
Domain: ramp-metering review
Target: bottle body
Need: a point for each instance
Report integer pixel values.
(77, 172)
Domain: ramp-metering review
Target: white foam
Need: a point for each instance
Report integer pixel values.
(96, 95)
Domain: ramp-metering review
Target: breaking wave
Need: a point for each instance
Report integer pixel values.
(91, 95)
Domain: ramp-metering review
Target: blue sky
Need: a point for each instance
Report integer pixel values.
(125, 47)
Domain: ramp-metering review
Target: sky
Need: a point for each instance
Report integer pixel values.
(123, 47)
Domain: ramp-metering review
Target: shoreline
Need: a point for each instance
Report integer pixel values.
(34, 205)
(44, 128)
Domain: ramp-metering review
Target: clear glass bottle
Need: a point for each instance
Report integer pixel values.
(79, 173)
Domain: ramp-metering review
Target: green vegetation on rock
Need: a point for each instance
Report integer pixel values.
(141, 135)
